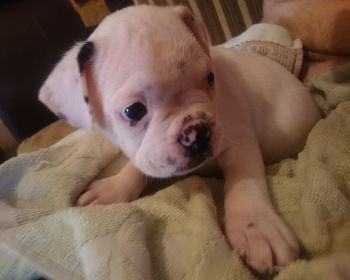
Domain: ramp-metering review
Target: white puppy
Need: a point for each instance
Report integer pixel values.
(148, 78)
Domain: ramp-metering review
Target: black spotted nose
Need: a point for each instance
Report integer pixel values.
(196, 141)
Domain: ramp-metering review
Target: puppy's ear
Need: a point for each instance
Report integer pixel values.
(65, 89)
(195, 25)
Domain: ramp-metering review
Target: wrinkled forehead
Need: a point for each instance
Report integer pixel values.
(147, 51)
(164, 58)
(165, 66)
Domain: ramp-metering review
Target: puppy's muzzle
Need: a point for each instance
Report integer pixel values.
(196, 142)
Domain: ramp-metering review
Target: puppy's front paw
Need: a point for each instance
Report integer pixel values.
(107, 191)
(261, 238)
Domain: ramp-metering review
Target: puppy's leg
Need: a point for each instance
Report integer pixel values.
(252, 226)
(126, 186)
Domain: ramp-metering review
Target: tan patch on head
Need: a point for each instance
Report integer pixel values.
(94, 98)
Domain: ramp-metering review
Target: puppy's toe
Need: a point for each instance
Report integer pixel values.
(107, 191)
(284, 245)
(87, 198)
(92, 192)
(259, 253)
(239, 242)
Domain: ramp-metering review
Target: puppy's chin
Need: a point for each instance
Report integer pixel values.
(168, 171)
(181, 171)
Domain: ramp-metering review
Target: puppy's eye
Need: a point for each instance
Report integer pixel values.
(134, 112)
(210, 79)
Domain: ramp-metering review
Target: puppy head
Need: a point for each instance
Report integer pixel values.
(145, 77)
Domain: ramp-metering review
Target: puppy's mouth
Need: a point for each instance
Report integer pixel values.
(191, 167)
(196, 160)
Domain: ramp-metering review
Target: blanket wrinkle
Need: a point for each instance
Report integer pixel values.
(174, 233)
(331, 87)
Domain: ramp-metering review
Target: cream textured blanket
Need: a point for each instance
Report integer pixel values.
(174, 233)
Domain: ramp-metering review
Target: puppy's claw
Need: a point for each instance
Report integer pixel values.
(242, 254)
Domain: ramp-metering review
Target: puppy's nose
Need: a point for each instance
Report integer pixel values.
(196, 140)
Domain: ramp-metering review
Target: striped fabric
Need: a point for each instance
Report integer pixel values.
(224, 19)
